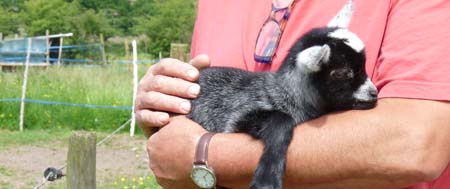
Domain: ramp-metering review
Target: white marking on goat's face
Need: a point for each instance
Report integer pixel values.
(366, 92)
(310, 59)
(351, 39)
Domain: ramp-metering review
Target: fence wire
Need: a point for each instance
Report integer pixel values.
(46, 179)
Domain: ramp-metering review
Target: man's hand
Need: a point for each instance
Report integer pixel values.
(166, 87)
(171, 152)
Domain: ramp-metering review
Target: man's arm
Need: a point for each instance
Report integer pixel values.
(399, 143)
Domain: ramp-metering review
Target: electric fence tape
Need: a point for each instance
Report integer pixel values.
(66, 104)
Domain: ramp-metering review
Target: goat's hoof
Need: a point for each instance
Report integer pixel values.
(266, 184)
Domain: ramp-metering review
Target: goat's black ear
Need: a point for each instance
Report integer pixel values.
(312, 58)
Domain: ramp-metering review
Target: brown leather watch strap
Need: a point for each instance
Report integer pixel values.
(201, 153)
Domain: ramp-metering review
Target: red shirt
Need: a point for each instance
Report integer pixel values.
(406, 42)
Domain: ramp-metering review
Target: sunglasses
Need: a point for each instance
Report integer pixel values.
(271, 31)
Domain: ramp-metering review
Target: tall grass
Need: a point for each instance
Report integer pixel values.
(99, 85)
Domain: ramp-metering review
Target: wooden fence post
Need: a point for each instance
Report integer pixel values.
(81, 163)
(127, 54)
(102, 42)
(61, 41)
(47, 51)
(179, 51)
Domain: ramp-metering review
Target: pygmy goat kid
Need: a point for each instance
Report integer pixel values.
(323, 72)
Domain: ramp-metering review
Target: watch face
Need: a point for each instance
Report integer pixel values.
(203, 177)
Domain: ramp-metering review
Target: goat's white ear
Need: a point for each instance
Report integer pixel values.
(343, 17)
(310, 59)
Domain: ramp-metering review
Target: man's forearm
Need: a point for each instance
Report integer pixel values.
(390, 146)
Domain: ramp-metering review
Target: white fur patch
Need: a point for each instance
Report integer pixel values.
(309, 59)
(343, 17)
(352, 40)
(364, 91)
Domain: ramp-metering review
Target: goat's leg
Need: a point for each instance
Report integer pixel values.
(275, 130)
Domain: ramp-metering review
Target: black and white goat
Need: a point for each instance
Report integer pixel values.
(323, 72)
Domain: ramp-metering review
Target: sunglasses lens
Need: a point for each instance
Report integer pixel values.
(281, 4)
(267, 41)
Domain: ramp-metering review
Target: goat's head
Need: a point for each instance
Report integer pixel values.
(334, 60)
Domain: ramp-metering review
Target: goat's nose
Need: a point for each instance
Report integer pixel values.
(373, 93)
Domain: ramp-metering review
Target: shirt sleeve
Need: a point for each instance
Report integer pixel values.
(414, 58)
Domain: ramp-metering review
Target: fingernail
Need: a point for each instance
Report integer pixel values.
(194, 90)
(192, 73)
(163, 118)
(186, 107)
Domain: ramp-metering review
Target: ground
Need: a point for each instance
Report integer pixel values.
(121, 162)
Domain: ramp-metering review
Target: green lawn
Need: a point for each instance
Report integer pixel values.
(10, 139)
(96, 85)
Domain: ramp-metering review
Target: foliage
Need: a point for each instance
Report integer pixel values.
(8, 21)
(170, 21)
(90, 24)
(160, 21)
(12, 5)
(117, 12)
(40, 15)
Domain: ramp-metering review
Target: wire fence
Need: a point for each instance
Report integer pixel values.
(53, 175)
(57, 49)
(23, 100)
(66, 104)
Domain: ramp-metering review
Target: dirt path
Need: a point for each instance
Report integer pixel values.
(23, 166)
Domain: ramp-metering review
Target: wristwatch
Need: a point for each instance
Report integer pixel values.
(203, 175)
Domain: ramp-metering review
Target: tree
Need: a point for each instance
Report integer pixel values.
(170, 21)
(117, 12)
(12, 5)
(160, 21)
(55, 15)
(9, 23)
(89, 24)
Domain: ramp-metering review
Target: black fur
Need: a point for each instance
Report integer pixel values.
(269, 105)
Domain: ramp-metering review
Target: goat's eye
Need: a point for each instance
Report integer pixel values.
(339, 74)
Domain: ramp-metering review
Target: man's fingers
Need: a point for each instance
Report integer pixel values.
(175, 68)
(163, 102)
(149, 118)
(174, 86)
(201, 61)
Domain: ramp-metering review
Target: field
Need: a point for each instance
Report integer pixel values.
(96, 85)
(121, 162)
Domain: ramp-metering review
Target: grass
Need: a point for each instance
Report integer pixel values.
(98, 85)
(5, 171)
(5, 185)
(10, 139)
(148, 182)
